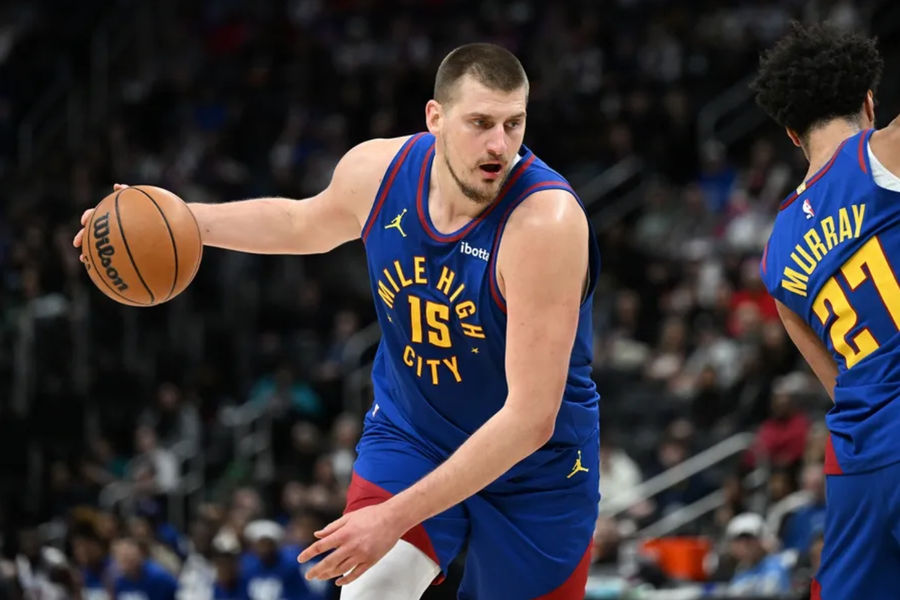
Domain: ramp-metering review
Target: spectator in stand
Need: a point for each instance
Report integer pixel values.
(226, 555)
(154, 469)
(344, 436)
(198, 574)
(270, 571)
(619, 475)
(758, 573)
(137, 576)
(92, 557)
(804, 523)
(141, 530)
(781, 439)
(750, 296)
(175, 422)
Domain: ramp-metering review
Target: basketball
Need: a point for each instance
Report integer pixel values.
(142, 245)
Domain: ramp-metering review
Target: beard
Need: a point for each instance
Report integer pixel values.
(479, 196)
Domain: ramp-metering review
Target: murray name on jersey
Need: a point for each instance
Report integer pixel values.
(819, 240)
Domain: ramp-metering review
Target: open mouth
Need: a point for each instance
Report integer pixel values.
(492, 168)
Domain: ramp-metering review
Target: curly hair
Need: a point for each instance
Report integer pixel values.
(815, 74)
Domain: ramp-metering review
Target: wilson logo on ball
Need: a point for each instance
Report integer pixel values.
(106, 250)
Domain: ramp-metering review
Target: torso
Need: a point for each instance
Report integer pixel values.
(832, 260)
(439, 371)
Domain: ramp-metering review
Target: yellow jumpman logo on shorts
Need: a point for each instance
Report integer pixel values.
(578, 467)
(396, 223)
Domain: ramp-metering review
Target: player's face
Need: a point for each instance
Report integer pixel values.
(480, 132)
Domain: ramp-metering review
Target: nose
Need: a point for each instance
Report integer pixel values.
(496, 141)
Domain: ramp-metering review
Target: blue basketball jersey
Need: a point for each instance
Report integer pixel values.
(439, 372)
(832, 258)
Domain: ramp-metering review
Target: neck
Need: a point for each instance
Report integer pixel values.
(824, 140)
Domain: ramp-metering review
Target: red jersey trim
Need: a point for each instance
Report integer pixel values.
(808, 184)
(862, 159)
(832, 467)
(573, 587)
(363, 492)
(388, 182)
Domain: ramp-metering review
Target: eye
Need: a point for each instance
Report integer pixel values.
(481, 123)
(513, 124)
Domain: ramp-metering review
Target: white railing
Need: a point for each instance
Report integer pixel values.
(677, 519)
(679, 473)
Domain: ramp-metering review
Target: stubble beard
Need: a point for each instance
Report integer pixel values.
(468, 191)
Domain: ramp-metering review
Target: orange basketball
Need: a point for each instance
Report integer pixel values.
(142, 245)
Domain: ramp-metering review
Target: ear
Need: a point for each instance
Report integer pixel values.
(794, 137)
(869, 109)
(434, 114)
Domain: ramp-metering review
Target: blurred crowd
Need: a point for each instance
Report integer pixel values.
(196, 445)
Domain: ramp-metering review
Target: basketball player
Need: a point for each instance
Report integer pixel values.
(831, 264)
(484, 427)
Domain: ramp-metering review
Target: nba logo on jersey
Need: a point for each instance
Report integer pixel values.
(808, 209)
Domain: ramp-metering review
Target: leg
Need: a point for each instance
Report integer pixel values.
(388, 462)
(403, 574)
(530, 540)
(861, 555)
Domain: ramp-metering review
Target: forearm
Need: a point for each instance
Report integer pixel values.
(504, 440)
(261, 226)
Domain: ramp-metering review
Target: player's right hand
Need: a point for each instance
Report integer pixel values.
(86, 216)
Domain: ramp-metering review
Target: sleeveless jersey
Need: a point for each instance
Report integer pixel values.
(439, 372)
(832, 258)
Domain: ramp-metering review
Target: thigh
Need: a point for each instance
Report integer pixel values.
(860, 557)
(534, 542)
(388, 462)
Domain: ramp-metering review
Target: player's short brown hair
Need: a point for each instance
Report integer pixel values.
(493, 66)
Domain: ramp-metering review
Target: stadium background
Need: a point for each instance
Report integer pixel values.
(241, 399)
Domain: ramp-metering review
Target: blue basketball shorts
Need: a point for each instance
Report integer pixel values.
(861, 554)
(528, 538)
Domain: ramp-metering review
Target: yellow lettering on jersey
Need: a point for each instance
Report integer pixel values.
(408, 355)
(809, 265)
(419, 270)
(454, 367)
(465, 309)
(858, 217)
(433, 363)
(474, 331)
(458, 291)
(828, 231)
(815, 244)
(794, 282)
(418, 366)
(391, 279)
(844, 224)
(386, 295)
(798, 282)
(445, 280)
(403, 280)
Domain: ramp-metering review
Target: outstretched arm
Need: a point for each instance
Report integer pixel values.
(310, 226)
(542, 263)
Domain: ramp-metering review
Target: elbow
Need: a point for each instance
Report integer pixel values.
(540, 431)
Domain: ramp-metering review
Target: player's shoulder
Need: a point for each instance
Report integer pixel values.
(885, 144)
(374, 155)
(358, 174)
(546, 218)
(549, 199)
